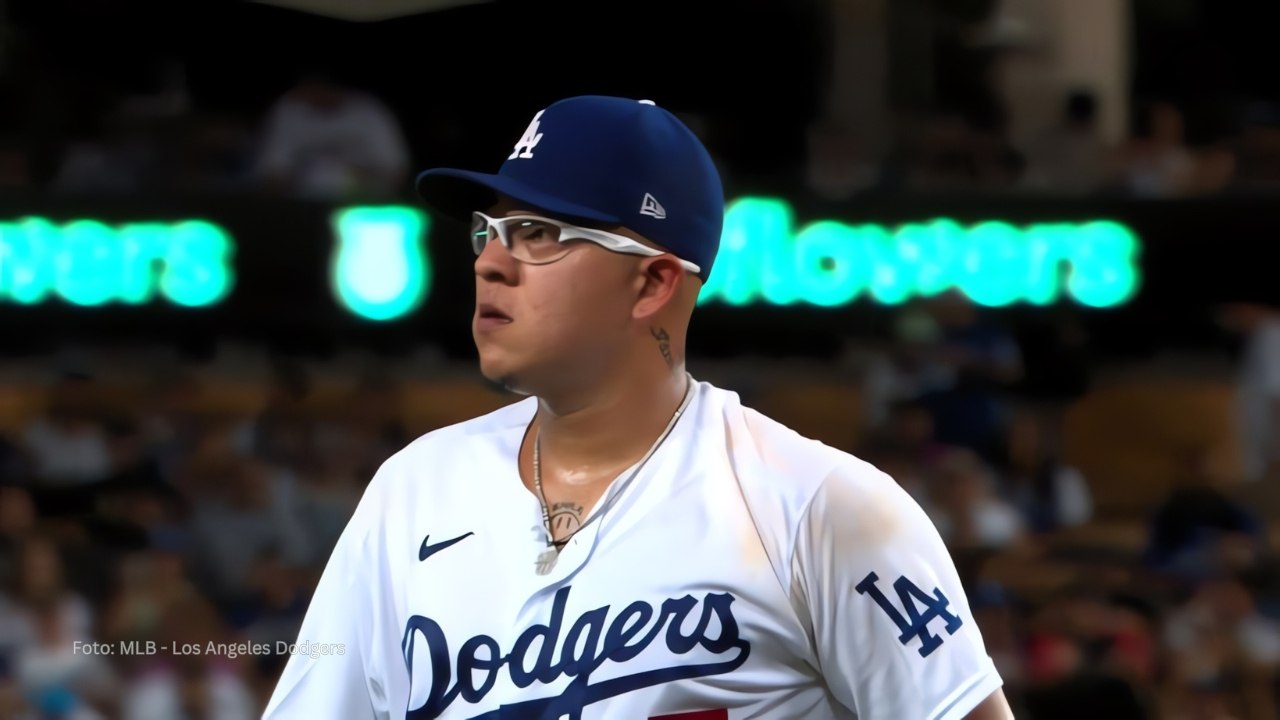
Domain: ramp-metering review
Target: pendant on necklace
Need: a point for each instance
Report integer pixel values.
(547, 561)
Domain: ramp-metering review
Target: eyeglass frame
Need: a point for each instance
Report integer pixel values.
(568, 231)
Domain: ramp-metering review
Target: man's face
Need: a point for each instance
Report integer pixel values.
(534, 323)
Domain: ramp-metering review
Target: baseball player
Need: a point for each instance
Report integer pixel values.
(627, 542)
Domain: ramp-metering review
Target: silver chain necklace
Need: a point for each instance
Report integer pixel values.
(547, 558)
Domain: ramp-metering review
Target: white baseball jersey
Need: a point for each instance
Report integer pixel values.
(747, 572)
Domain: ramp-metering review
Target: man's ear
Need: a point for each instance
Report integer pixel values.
(658, 281)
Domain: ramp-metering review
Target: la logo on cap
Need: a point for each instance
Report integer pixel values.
(532, 136)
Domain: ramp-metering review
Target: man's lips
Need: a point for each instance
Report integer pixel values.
(485, 311)
(489, 317)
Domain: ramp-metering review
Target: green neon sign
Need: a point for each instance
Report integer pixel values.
(765, 259)
(91, 263)
(380, 270)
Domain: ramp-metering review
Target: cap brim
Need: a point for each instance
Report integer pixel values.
(458, 193)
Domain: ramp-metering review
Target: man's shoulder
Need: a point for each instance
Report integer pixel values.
(782, 465)
(838, 475)
(469, 439)
(786, 453)
(795, 485)
(805, 494)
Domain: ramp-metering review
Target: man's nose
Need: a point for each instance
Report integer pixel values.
(495, 263)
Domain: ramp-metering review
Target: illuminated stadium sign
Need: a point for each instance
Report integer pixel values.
(765, 259)
(89, 263)
(379, 268)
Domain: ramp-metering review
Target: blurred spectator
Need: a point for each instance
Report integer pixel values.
(1091, 655)
(908, 368)
(45, 625)
(151, 583)
(243, 509)
(1081, 691)
(69, 444)
(281, 599)
(214, 154)
(1050, 493)
(194, 683)
(980, 363)
(997, 613)
(1257, 151)
(1156, 162)
(326, 140)
(952, 153)
(171, 420)
(1132, 639)
(1258, 387)
(1216, 168)
(966, 509)
(123, 156)
(374, 411)
(173, 403)
(941, 158)
(903, 447)
(18, 518)
(1071, 158)
(130, 454)
(837, 167)
(128, 146)
(282, 434)
(1199, 530)
(345, 451)
(1219, 644)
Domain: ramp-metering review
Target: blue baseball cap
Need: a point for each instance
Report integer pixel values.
(607, 160)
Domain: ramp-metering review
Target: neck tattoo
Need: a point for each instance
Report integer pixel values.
(547, 559)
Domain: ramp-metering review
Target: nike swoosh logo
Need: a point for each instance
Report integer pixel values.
(427, 550)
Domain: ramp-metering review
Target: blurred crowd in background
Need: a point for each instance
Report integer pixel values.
(144, 120)
(151, 510)
(320, 140)
(143, 515)
(332, 140)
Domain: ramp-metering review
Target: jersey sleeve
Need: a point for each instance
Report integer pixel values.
(892, 631)
(327, 674)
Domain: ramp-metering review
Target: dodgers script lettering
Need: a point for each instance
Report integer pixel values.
(591, 641)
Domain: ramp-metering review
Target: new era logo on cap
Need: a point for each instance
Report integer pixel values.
(652, 207)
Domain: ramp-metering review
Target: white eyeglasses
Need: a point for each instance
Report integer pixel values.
(539, 241)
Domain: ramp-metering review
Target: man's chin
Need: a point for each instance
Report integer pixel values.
(501, 376)
(502, 384)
